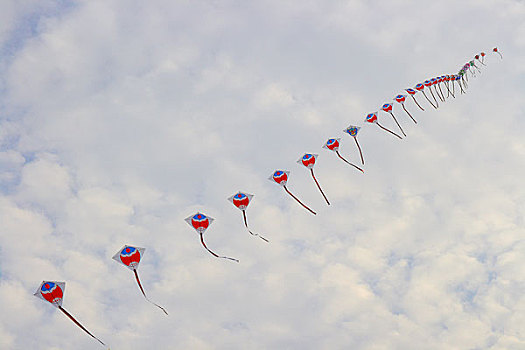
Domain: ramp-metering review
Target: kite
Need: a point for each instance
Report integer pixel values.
(439, 81)
(496, 51)
(280, 177)
(428, 84)
(241, 201)
(308, 160)
(387, 107)
(482, 57)
(200, 223)
(479, 60)
(421, 87)
(434, 82)
(401, 99)
(447, 79)
(53, 292)
(130, 257)
(352, 130)
(333, 145)
(412, 92)
(372, 119)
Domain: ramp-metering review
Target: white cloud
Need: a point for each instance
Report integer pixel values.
(121, 119)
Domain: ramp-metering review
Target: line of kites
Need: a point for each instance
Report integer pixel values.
(130, 256)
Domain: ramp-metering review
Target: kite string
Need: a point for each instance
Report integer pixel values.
(212, 253)
(246, 224)
(78, 324)
(143, 293)
(347, 162)
(298, 201)
(319, 186)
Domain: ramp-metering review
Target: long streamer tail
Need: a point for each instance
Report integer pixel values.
(442, 95)
(347, 162)
(143, 293)
(246, 224)
(393, 133)
(319, 186)
(500, 55)
(417, 103)
(428, 99)
(461, 87)
(212, 253)
(449, 91)
(298, 201)
(453, 88)
(360, 152)
(399, 126)
(434, 97)
(78, 324)
(410, 115)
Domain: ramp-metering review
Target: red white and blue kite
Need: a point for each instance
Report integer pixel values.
(200, 223)
(241, 200)
(333, 145)
(308, 160)
(372, 119)
(130, 257)
(280, 177)
(53, 292)
(352, 130)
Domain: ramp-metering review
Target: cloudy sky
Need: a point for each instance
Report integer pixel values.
(118, 119)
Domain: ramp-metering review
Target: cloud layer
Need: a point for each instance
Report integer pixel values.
(119, 119)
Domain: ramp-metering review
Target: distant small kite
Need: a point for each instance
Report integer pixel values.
(200, 223)
(53, 292)
(241, 201)
(130, 257)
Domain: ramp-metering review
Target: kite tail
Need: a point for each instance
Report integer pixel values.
(143, 293)
(212, 253)
(246, 224)
(360, 152)
(410, 115)
(434, 97)
(399, 126)
(347, 162)
(393, 133)
(298, 201)
(442, 95)
(461, 87)
(428, 99)
(500, 55)
(319, 186)
(453, 88)
(417, 103)
(78, 324)
(449, 92)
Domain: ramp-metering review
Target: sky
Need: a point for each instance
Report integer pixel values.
(119, 119)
